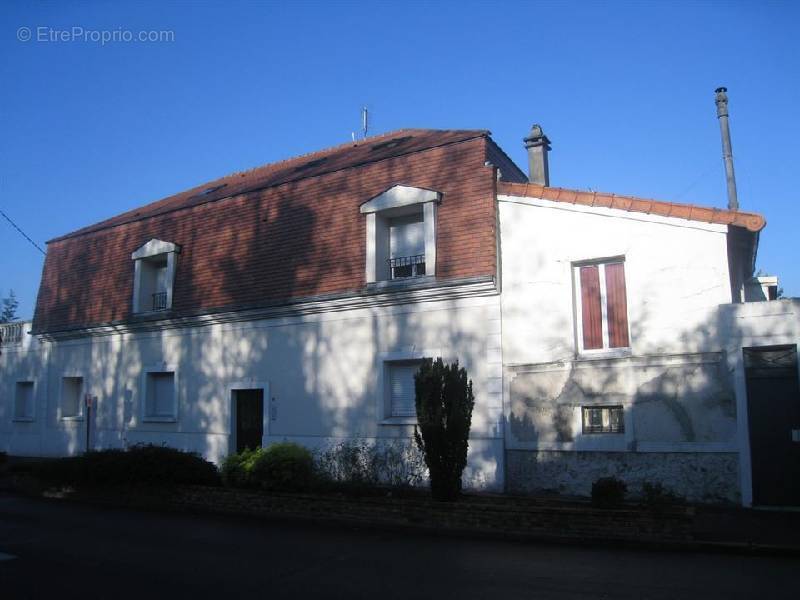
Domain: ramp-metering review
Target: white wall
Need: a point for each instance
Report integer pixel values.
(748, 325)
(675, 270)
(321, 373)
(673, 383)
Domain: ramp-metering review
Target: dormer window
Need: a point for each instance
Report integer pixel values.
(154, 274)
(407, 245)
(401, 234)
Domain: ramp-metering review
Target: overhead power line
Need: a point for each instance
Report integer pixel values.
(25, 235)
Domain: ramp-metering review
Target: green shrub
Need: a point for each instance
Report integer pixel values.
(655, 495)
(139, 465)
(236, 468)
(444, 403)
(283, 466)
(608, 492)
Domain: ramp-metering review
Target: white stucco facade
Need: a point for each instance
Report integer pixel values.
(322, 365)
(680, 382)
(321, 374)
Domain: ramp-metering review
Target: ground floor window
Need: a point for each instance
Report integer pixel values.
(23, 401)
(401, 394)
(160, 396)
(71, 394)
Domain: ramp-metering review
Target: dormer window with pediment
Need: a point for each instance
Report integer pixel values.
(154, 275)
(401, 234)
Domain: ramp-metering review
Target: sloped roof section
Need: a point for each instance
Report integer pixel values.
(344, 156)
(750, 221)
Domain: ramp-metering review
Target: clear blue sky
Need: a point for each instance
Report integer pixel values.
(624, 90)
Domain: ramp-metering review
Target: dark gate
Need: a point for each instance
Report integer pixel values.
(249, 406)
(773, 409)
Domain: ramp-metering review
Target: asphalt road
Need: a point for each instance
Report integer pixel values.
(59, 551)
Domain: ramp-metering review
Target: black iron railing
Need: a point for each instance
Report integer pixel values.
(407, 266)
(160, 301)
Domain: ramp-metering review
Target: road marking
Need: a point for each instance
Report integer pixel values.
(4, 556)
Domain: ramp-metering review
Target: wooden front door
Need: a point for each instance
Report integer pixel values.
(773, 409)
(249, 411)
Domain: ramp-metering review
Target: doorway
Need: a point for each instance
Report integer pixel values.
(773, 410)
(248, 418)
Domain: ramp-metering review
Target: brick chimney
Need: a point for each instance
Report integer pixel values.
(538, 146)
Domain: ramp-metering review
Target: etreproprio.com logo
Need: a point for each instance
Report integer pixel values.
(53, 35)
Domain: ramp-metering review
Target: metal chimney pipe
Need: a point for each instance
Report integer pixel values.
(727, 154)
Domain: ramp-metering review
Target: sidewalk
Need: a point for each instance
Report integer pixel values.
(698, 527)
(759, 529)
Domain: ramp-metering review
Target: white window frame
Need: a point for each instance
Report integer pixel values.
(32, 416)
(152, 249)
(395, 202)
(385, 360)
(161, 368)
(605, 351)
(81, 397)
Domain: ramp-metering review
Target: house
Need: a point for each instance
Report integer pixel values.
(605, 335)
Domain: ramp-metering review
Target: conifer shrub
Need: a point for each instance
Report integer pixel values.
(444, 403)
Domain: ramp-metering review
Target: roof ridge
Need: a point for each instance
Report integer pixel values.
(343, 146)
(692, 212)
(259, 177)
(313, 153)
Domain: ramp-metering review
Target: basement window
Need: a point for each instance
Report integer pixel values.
(603, 419)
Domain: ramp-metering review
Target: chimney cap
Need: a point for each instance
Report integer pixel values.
(536, 137)
(721, 101)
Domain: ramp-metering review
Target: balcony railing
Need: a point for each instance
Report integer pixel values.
(403, 267)
(160, 301)
(11, 333)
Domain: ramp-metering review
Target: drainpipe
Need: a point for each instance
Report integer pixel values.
(727, 154)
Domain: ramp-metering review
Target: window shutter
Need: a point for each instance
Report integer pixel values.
(401, 382)
(592, 318)
(161, 394)
(617, 306)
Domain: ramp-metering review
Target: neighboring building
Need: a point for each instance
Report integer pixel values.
(604, 334)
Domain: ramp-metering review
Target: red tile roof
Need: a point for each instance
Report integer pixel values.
(314, 164)
(279, 233)
(751, 221)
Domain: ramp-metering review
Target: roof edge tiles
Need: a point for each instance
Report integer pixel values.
(691, 212)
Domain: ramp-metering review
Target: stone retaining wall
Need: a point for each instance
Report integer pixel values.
(707, 477)
(490, 515)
